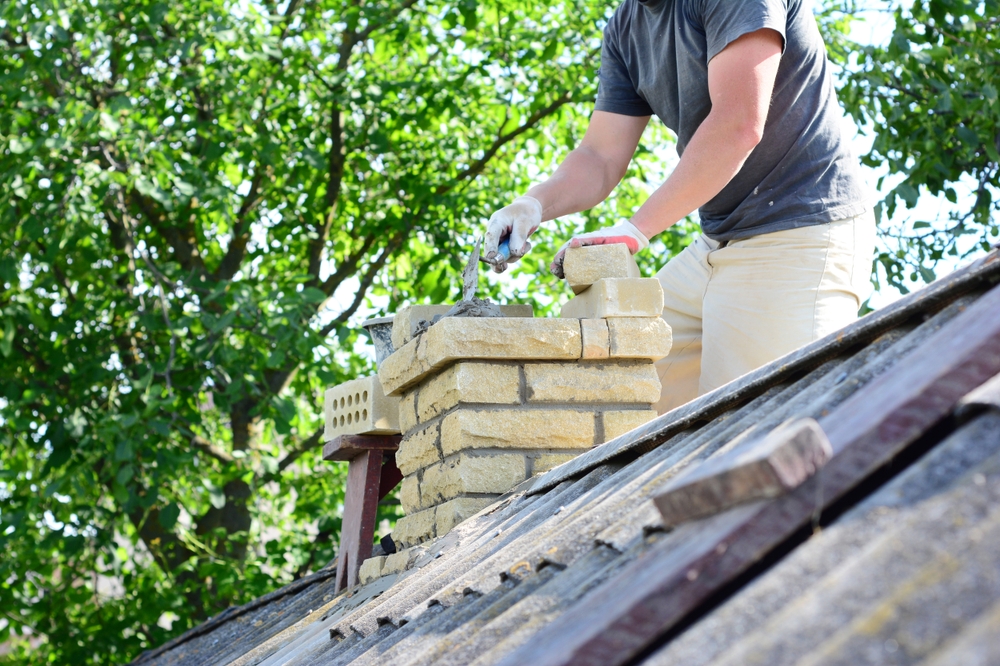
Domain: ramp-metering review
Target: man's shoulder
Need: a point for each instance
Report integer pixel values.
(622, 18)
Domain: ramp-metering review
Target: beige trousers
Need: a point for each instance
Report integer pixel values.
(735, 308)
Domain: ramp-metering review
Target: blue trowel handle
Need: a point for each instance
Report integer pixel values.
(503, 248)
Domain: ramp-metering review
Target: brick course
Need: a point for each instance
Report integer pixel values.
(617, 297)
(583, 266)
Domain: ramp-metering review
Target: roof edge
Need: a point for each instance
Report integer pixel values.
(234, 612)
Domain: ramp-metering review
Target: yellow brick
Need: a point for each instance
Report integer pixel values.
(408, 412)
(411, 530)
(458, 475)
(502, 339)
(465, 339)
(592, 382)
(596, 339)
(583, 266)
(406, 320)
(359, 407)
(468, 382)
(517, 429)
(418, 449)
(371, 569)
(617, 297)
(454, 511)
(402, 560)
(639, 338)
(404, 366)
(547, 461)
(405, 323)
(409, 495)
(619, 423)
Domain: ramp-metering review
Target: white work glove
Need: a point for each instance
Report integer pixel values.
(623, 232)
(515, 223)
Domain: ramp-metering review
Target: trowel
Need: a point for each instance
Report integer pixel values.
(470, 276)
(501, 258)
(469, 306)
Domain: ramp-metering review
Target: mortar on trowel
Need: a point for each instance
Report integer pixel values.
(380, 329)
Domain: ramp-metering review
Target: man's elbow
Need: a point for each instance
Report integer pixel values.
(739, 129)
(747, 132)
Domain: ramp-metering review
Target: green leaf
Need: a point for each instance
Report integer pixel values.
(908, 193)
(216, 497)
(313, 295)
(7, 341)
(123, 451)
(276, 359)
(8, 270)
(168, 516)
(968, 136)
(124, 474)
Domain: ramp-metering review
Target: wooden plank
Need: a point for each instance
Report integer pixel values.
(986, 396)
(357, 532)
(346, 447)
(390, 476)
(772, 466)
(678, 574)
(739, 391)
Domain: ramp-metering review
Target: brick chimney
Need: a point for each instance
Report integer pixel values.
(484, 404)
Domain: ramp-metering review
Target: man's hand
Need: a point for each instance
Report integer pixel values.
(517, 221)
(625, 233)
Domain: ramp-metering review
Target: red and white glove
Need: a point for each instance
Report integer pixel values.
(516, 222)
(623, 232)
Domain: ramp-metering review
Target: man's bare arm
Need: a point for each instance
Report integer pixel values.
(740, 83)
(588, 174)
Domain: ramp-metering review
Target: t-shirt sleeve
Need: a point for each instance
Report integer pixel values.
(725, 21)
(615, 91)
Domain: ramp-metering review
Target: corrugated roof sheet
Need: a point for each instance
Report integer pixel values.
(902, 569)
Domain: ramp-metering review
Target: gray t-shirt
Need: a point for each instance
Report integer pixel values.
(655, 61)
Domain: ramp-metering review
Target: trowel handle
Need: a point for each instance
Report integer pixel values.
(503, 248)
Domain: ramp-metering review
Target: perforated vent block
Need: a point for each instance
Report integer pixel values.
(359, 407)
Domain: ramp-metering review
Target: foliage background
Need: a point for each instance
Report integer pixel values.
(201, 198)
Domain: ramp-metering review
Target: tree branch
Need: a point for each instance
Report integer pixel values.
(294, 454)
(335, 177)
(366, 282)
(206, 446)
(236, 251)
(335, 169)
(477, 167)
(347, 267)
(182, 240)
(278, 381)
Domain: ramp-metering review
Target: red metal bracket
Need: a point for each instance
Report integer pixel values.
(371, 475)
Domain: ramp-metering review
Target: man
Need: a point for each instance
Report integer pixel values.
(786, 253)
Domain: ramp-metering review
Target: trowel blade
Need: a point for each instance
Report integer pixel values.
(470, 276)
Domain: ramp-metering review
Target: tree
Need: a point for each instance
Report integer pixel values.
(930, 97)
(198, 200)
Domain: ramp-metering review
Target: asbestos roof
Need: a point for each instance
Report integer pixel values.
(901, 567)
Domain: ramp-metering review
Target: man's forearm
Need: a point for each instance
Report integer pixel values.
(582, 181)
(714, 155)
